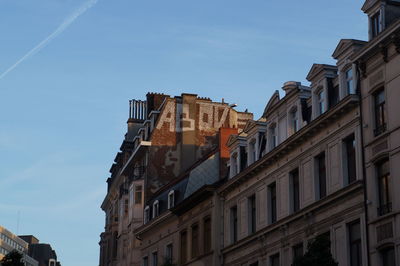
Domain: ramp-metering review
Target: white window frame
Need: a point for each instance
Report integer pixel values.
(156, 208)
(347, 80)
(320, 97)
(171, 199)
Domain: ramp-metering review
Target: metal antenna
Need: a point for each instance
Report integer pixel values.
(18, 214)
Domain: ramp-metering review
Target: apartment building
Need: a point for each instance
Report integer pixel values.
(198, 183)
(379, 65)
(10, 242)
(167, 136)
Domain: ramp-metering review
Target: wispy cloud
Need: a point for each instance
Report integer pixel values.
(67, 22)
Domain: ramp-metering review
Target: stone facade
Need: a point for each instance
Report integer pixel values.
(168, 139)
(219, 188)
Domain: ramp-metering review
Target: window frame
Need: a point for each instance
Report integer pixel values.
(156, 208)
(171, 199)
(207, 234)
(294, 182)
(350, 159)
(195, 240)
(252, 214)
(233, 212)
(379, 111)
(272, 203)
(321, 175)
(384, 193)
(352, 242)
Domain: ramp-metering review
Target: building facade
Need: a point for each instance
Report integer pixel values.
(43, 253)
(167, 136)
(198, 183)
(10, 242)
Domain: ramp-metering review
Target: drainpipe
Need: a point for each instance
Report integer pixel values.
(363, 165)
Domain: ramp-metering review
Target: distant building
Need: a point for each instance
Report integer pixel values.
(10, 242)
(43, 253)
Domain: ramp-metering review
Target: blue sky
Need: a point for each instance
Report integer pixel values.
(63, 110)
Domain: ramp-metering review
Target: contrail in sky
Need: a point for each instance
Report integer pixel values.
(67, 22)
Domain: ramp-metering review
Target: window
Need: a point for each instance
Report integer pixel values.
(171, 199)
(234, 164)
(375, 24)
(350, 158)
(169, 253)
(294, 190)
(333, 93)
(138, 194)
(183, 247)
(155, 258)
(145, 261)
(349, 81)
(272, 136)
(252, 214)
(321, 175)
(384, 183)
(355, 244)
(234, 224)
(294, 121)
(321, 101)
(297, 251)
(380, 120)
(272, 202)
(207, 235)
(243, 158)
(146, 214)
(387, 257)
(274, 260)
(156, 208)
(195, 240)
(252, 151)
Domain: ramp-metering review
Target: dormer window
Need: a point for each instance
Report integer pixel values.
(171, 199)
(146, 214)
(321, 101)
(156, 208)
(376, 24)
(349, 81)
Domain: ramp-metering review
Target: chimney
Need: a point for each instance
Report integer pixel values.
(137, 115)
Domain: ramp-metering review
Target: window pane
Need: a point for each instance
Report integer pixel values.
(195, 241)
(183, 247)
(207, 235)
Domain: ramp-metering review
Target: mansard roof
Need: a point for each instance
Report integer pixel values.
(272, 101)
(345, 44)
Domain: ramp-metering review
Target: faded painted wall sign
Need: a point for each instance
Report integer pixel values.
(177, 116)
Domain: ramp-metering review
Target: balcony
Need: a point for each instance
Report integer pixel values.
(380, 129)
(385, 209)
